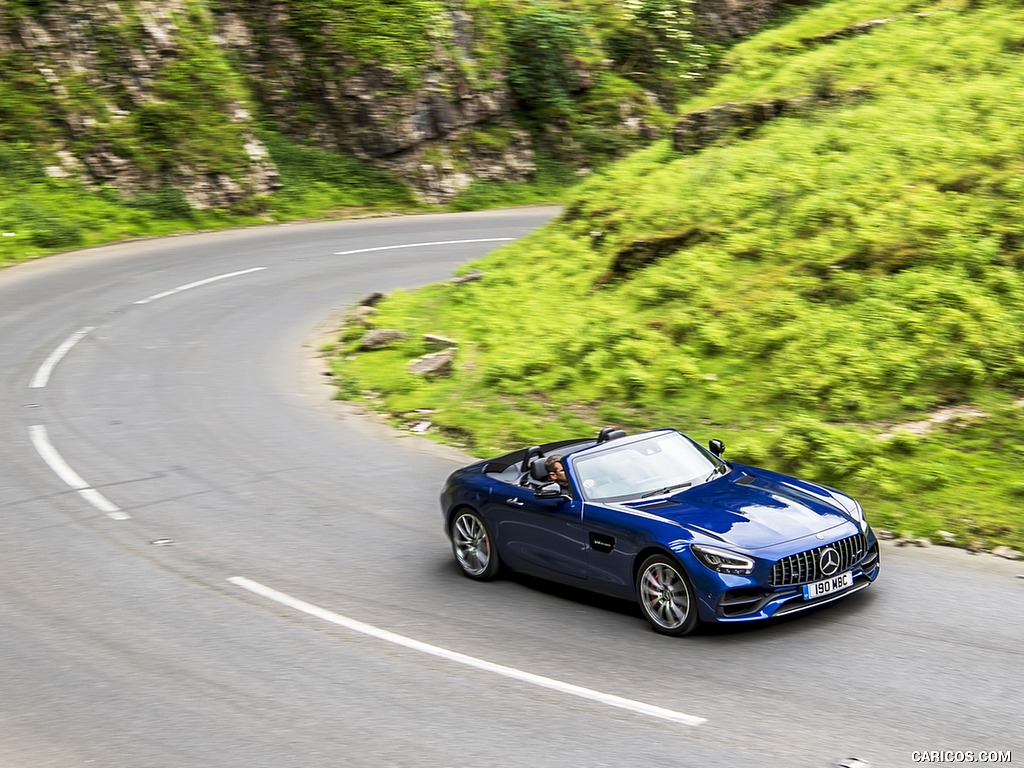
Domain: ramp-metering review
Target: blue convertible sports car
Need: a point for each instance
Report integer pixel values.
(659, 519)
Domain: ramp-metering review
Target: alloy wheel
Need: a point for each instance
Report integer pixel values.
(665, 597)
(472, 545)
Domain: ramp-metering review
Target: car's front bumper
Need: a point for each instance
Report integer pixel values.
(734, 598)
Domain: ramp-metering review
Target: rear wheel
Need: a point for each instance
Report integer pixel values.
(473, 546)
(666, 596)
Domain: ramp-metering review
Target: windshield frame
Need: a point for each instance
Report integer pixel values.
(589, 467)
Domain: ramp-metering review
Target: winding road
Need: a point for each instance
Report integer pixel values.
(204, 561)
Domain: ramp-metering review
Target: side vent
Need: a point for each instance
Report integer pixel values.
(602, 543)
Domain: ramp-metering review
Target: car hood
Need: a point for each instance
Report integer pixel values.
(751, 509)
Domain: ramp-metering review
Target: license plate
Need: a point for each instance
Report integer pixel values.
(836, 583)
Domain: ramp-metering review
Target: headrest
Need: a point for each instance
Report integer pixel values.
(530, 453)
(610, 433)
(537, 469)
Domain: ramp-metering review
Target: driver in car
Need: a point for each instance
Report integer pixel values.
(556, 471)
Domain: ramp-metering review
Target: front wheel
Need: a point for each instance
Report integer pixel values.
(666, 596)
(474, 547)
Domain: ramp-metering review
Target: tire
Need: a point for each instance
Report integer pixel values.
(473, 546)
(666, 596)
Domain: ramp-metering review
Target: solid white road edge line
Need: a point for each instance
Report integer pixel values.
(42, 377)
(196, 284)
(610, 700)
(45, 449)
(424, 245)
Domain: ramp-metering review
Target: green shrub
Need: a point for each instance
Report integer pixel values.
(659, 45)
(167, 202)
(543, 41)
(45, 226)
(307, 172)
(397, 35)
(17, 165)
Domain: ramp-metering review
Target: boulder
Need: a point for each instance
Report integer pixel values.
(1006, 553)
(364, 316)
(470, 277)
(439, 341)
(435, 364)
(380, 338)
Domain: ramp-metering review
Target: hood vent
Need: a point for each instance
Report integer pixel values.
(656, 505)
(745, 479)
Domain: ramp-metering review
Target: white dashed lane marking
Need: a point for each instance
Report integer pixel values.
(637, 707)
(424, 245)
(198, 283)
(42, 377)
(45, 449)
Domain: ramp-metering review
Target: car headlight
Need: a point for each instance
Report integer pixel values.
(722, 560)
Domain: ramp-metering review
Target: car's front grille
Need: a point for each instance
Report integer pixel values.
(806, 566)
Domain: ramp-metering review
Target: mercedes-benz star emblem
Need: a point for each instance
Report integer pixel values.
(829, 561)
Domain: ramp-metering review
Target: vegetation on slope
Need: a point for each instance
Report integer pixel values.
(41, 215)
(806, 293)
(188, 120)
(186, 123)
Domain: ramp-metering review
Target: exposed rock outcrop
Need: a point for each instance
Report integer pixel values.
(421, 130)
(733, 18)
(696, 130)
(106, 70)
(118, 82)
(439, 170)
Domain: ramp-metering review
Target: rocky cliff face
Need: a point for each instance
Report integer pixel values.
(105, 75)
(366, 109)
(144, 95)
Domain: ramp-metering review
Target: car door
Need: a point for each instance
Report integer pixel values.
(540, 536)
(614, 537)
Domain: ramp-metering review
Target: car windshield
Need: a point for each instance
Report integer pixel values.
(657, 466)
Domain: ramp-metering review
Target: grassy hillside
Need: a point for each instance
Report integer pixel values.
(809, 293)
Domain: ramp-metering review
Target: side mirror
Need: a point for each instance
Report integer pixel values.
(717, 447)
(549, 491)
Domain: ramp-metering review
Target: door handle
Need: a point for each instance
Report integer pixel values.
(514, 502)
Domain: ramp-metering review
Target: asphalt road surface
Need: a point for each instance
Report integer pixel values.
(206, 562)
